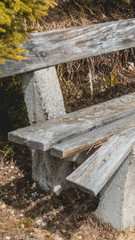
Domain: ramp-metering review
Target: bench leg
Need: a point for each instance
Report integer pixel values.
(43, 95)
(50, 172)
(117, 198)
(44, 101)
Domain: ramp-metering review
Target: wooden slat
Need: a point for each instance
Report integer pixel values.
(94, 173)
(46, 49)
(72, 145)
(43, 136)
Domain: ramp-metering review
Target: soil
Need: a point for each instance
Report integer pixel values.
(28, 213)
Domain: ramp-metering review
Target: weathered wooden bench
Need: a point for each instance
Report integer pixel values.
(110, 170)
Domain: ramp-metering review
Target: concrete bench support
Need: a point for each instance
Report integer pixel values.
(117, 198)
(44, 101)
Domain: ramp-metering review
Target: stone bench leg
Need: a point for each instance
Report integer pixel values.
(44, 101)
(117, 198)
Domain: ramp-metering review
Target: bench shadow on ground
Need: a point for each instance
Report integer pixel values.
(66, 212)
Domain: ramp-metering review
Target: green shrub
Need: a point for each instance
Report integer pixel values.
(15, 17)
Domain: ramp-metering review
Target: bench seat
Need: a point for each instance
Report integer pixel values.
(94, 173)
(79, 130)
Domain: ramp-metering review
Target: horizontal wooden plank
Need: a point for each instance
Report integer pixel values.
(72, 145)
(94, 173)
(43, 136)
(46, 49)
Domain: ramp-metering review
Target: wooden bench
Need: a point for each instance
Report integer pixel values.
(58, 142)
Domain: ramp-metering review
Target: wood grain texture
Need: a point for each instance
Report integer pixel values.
(94, 173)
(75, 144)
(46, 49)
(43, 136)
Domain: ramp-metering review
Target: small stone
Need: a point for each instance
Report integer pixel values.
(12, 212)
(57, 190)
(33, 194)
(3, 206)
(34, 185)
(39, 222)
(12, 184)
(80, 238)
(41, 195)
(30, 239)
(59, 209)
(7, 238)
(57, 237)
(44, 224)
(131, 66)
(32, 204)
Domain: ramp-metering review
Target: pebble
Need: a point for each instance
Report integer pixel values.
(39, 221)
(131, 66)
(34, 194)
(42, 195)
(30, 239)
(32, 204)
(12, 184)
(12, 212)
(80, 238)
(34, 185)
(58, 237)
(7, 238)
(3, 206)
(59, 209)
(21, 215)
(44, 224)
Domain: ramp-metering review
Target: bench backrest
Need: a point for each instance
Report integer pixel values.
(50, 48)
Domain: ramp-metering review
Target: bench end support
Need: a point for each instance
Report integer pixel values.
(117, 201)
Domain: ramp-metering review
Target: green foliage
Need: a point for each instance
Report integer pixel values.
(15, 17)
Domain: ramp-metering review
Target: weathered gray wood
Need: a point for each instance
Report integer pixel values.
(59, 46)
(94, 173)
(72, 145)
(42, 136)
